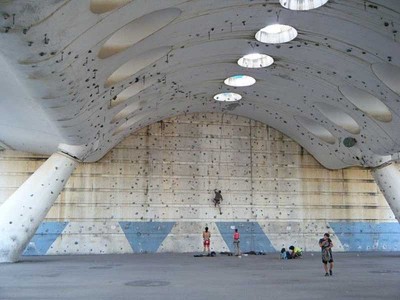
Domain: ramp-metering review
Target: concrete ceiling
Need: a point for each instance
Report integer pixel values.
(81, 75)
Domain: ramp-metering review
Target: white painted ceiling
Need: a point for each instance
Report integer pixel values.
(81, 75)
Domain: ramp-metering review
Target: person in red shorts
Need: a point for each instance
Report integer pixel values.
(206, 240)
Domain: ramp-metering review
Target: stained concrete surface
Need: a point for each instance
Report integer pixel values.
(182, 276)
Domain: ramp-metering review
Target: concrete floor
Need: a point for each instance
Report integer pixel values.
(182, 276)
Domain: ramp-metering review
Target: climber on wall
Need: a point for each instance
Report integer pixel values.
(217, 200)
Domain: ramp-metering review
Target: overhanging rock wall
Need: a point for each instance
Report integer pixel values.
(153, 193)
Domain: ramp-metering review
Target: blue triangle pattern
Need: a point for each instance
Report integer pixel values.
(146, 237)
(252, 237)
(368, 236)
(44, 237)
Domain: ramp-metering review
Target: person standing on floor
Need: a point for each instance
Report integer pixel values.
(236, 242)
(206, 240)
(326, 249)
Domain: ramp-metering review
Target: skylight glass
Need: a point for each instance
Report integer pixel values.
(240, 81)
(228, 97)
(276, 34)
(255, 60)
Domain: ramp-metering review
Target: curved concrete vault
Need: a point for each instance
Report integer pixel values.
(80, 76)
(67, 62)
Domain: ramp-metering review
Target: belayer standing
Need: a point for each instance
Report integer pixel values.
(236, 242)
(217, 200)
(326, 249)
(206, 240)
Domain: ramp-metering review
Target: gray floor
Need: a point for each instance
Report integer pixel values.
(173, 276)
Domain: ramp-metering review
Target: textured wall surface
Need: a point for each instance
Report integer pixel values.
(153, 193)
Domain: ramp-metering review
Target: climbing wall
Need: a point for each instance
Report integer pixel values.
(154, 191)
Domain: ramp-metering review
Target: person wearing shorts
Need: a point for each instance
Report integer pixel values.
(206, 240)
(326, 250)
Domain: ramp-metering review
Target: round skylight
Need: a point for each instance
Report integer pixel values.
(240, 81)
(255, 60)
(302, 4)
(276, 34)
(228, 97)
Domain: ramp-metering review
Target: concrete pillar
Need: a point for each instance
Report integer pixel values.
(23, 212)
(388, 179)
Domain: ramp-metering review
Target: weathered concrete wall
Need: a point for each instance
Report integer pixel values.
(153, 193)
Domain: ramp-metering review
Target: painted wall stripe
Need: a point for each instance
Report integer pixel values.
(44, 237)
(368, 236)
(146, 237)
(252, 237)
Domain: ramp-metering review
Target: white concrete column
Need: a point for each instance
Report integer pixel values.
(23, 212)
(388, 179)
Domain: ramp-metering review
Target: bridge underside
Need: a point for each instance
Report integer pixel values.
(79, 77)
